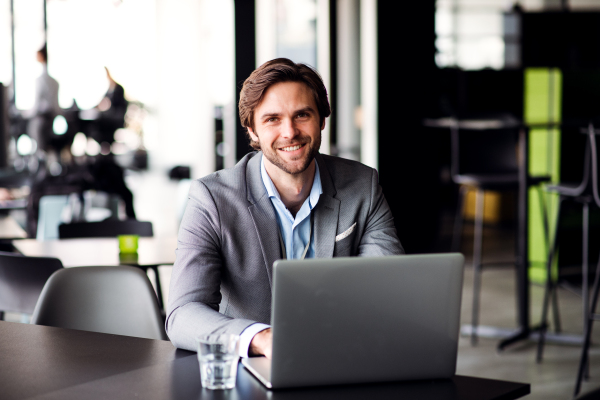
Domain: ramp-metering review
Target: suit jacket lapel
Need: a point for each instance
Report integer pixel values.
(326, 214)
(263, 215)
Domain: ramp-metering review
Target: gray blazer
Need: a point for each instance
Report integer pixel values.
(228, 241)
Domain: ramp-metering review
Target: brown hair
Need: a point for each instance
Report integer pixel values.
(276, 71)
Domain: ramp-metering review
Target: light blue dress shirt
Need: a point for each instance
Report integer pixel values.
(295, 232)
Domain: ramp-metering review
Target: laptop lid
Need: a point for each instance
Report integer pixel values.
(359, 319)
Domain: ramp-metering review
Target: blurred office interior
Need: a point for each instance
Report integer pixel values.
(389, 67)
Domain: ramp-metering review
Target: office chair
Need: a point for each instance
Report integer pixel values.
(485, 158)
(590, 315)
(117, 300)
(106, 228)
(580, 193)
(22, 280)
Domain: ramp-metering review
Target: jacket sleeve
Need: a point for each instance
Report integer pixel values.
(194, 294)
(380, 237)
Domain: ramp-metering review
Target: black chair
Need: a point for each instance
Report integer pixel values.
(590, 315)
(117, 300)
(22, 279)
(580, 193)
(107, 228)
(484, 157)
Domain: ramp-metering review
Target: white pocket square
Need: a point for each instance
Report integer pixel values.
(346, 233)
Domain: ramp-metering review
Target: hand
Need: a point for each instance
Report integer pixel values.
(262, 344)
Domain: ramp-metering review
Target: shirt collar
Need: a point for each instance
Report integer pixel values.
(315, 191)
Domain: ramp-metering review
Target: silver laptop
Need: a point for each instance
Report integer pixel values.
(356, 320)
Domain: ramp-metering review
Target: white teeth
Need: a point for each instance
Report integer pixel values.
(291, 148)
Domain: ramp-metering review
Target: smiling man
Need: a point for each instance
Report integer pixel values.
(283, 201)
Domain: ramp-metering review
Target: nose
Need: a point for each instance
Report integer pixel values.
(288, 130)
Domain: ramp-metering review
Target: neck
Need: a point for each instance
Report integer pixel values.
(293, 189)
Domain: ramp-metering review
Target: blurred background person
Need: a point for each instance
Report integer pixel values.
(46, 106)
(113, 108)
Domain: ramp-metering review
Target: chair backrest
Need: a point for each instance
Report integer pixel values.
(107, 228)
(117, 300)
(22, 280)
(489, 151)
(588, 181)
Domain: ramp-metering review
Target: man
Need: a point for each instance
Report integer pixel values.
(284, 201)
(113, 108)
(46, 106)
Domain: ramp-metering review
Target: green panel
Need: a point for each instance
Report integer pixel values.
(543, 94)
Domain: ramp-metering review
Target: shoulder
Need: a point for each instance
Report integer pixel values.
(230, 182)
(343, 171)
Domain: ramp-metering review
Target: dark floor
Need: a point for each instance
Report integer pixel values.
(554, 378)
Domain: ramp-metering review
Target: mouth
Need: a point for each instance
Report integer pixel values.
(292, 148)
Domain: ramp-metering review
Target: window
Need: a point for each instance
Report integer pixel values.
(478, 34)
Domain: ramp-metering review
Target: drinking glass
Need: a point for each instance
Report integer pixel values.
(218, 358)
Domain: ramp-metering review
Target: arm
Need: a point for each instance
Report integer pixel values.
(380, 237)
(195, 293)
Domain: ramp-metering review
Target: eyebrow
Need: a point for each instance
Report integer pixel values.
(305, 109)
(275, 114)
(265, 115)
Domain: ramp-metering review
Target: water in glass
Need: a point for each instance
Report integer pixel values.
(218, 371)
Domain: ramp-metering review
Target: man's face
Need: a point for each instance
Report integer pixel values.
(286, 126)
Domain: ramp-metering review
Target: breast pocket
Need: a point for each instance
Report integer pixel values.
(343, 242)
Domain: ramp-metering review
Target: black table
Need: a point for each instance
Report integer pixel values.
(41, 362)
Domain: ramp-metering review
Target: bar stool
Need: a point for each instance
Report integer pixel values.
(590, 315)
(579, 193)
(484, 157)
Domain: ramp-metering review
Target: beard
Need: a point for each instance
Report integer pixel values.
(298, 165)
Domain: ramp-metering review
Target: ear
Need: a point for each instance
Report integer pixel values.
(323, 124)
(253, 135)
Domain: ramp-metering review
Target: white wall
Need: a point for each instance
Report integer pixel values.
(368, 70)
(348, 78)
(185, 117)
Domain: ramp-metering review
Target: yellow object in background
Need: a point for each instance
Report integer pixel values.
(497, 207)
